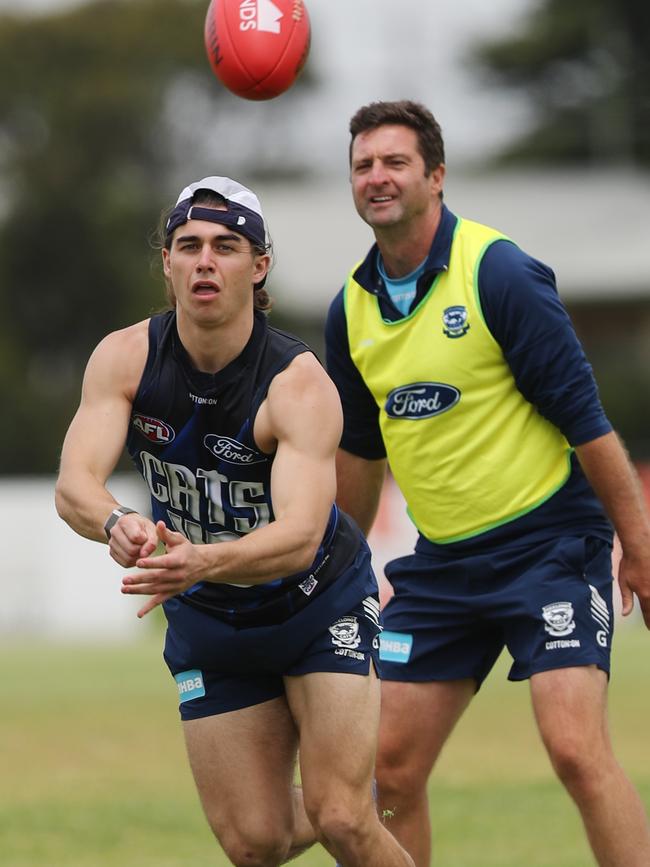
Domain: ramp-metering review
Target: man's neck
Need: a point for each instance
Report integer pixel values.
(213, 347)
(404, 248)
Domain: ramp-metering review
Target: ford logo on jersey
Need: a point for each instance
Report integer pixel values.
(231, 451)
(421, 400)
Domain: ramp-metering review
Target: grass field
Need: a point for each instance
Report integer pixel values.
(93, 770)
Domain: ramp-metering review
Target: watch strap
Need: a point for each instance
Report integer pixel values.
(114, 517)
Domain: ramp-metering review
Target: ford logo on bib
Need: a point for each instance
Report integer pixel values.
(421, 400)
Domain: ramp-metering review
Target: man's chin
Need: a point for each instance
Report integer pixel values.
(381, 221)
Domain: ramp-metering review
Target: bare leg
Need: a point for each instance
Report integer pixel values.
(416, 720)
(571, 710)
(303, 833)
(243, 764)
(337, 716)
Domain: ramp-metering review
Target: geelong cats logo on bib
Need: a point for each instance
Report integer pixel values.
(455, 321)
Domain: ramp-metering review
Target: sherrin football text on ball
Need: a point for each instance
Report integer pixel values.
(257, 48)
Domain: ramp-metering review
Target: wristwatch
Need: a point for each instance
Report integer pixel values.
(114, 517)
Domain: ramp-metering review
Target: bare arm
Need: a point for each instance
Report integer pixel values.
(359, 485)
(94, 443)
(612, 476)
(302, 416)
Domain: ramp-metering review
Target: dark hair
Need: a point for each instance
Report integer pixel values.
(405, 113)
(261, 298)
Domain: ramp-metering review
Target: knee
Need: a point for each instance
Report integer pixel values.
(339, 823)
(399, 774)
(579, 765)
(255, 847)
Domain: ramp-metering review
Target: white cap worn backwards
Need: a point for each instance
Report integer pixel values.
(243, 211)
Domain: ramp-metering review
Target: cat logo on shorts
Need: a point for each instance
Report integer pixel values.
(559, 618)
(345, 632)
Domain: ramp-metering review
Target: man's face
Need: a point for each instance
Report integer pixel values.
(387, 172)
(212, 270)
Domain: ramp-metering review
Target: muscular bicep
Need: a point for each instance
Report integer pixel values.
(97, 434)
(304, 416)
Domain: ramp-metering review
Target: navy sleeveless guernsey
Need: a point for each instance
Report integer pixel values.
(191, 438)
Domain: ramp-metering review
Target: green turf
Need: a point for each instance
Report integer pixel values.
(93, 770)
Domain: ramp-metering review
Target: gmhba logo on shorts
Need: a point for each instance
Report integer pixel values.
(421, 400)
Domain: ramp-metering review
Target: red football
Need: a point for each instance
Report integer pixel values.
(257, 48)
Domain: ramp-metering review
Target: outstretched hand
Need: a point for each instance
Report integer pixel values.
(168, 574)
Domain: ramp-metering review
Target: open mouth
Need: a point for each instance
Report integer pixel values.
(205, 288)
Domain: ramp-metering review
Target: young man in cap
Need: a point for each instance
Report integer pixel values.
(271, 603)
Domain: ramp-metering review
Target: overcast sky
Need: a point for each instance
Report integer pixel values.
(363, 50)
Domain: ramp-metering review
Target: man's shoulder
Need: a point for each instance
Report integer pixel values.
(280, 339)
(129, 339)
(122, 354)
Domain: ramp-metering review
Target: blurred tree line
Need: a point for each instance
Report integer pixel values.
(584, 67)
(87, 139)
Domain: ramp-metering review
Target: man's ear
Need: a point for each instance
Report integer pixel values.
(261, 268)
(165, 261)
(437, 179)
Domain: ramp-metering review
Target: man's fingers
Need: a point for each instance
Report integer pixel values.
(627, 597)
(627, 601)
(148, 548)
(153, 603)
(156, 579)
(161, 561)
(167, 536)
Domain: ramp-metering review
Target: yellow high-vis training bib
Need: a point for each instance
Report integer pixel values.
(467, 450)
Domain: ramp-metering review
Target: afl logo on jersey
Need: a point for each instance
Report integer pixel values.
(231, 451)
(421, 400)
(153, 429)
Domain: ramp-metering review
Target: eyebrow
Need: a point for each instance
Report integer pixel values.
(391, 155)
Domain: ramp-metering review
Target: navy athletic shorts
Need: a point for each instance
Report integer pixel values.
(549, 603)
(220, 668)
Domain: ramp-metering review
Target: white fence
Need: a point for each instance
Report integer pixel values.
(55, 584)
